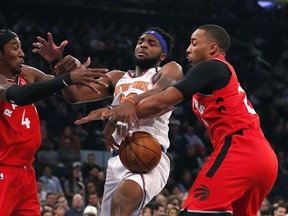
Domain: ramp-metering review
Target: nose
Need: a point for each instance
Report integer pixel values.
(21, 53)
(143, 44)
(188, 50)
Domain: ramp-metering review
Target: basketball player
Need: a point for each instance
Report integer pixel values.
(125, 193)
(242, 168)
(20, 135)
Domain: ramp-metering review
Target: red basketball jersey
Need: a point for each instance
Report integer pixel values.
(226, 111)
(20, 135)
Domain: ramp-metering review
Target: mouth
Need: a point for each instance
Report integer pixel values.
(21, 63)
(141, 54)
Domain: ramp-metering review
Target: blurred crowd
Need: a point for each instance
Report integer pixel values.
(259, 54)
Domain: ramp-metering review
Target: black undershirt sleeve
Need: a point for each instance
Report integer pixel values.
(204, 77)
(30, 93)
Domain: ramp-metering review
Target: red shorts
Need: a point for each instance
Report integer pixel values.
(236, 178)
(18, 192)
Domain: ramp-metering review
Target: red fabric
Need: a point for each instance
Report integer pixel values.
(18, 193)
(226, 111)
(20, 135)
(248, 166)
(242, 181)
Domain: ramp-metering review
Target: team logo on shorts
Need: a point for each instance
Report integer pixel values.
(1, 176)
(202, 193)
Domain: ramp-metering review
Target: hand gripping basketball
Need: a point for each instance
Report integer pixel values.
(140, 153)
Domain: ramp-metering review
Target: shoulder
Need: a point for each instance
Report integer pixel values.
(212, 64)
(171, 66)
(32, 74)
(115, 76)
(172, 70)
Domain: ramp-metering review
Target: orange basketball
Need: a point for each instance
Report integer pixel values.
(140, 153)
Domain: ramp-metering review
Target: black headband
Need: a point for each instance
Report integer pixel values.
(5, 37)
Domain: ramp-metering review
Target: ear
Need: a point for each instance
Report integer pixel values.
(213, 48)
(163, 57)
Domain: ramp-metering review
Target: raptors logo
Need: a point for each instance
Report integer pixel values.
(201, 193)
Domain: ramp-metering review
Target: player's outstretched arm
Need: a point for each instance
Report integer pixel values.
(95, 115)
(157, 103)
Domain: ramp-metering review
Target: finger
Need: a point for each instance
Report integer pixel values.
(101, 71)
(99, 83)
(49, 37)
(106, 115)
(69, 64)
(42, 40)
(87, 63)
(36, 50)
(63, 45)
(82, 120)
(93, 87)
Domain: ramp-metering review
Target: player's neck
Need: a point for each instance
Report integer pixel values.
(9, 75)
(138, 71)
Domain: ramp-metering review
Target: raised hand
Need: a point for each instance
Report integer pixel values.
(67, 64)
(89, 76)
(48, 49)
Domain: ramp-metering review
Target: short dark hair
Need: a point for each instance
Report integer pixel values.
(218, 34)
(167, 37)
(5, 36)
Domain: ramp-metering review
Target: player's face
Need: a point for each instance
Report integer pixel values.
(199, 47)
(148, 52)
(13, 56)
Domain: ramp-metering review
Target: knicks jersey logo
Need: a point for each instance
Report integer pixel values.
(140, 85)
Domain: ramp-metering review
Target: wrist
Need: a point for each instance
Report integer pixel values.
(66, 79)
(111, 121)
(55, 61)
(131, 100)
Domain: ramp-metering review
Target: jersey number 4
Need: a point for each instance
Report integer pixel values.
(25, 121)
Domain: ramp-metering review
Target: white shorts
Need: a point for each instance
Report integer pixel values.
(155, 181)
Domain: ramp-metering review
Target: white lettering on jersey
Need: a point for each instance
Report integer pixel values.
(249, 108)
(201, 110)
(8, 112)
(25, 121)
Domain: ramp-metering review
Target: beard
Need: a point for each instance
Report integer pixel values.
(146, 62)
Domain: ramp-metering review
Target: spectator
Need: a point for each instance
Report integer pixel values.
(158, 210)
(59, 210)
(94, 200)
(46, 213)
(51, 183)
(279, 210)
(90, 211)
(47, 155)
(76, 206)
(61, 200)
(41, 192)
(71, 183)
(51, 198)
(147, 210)
(89, 165)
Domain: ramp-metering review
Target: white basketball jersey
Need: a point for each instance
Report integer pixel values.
(128, 86)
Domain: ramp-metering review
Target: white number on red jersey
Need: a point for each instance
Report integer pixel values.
(249, 108)
(25, 121)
